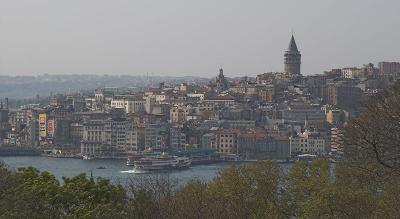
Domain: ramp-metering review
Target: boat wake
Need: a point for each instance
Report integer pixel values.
(133, 171)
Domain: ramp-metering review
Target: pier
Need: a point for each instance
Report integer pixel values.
(18, 151)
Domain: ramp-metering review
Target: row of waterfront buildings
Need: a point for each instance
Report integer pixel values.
(275, 115)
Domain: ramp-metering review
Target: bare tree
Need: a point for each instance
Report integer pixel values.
(373, 138)
(160, 188)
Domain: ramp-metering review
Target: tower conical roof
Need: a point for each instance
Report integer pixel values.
(292, 45)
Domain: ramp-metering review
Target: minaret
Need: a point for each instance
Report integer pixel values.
(292, 58)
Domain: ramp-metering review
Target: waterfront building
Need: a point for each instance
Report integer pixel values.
(248, 140)
(276, 147)
(76, 133)
(227, 141)
(109, 137)
(177, 138)
(94, 138)
(115, 134)
(208, 141)
(155, 137)
(131, 138)
(307, 143)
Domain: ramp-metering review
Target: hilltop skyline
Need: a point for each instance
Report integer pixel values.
(192, 38)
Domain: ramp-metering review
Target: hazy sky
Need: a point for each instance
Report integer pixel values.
(188, 37)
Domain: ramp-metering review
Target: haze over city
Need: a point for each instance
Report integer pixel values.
(192, 37)
(199, 109)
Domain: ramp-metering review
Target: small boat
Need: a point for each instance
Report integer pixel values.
(162, 162)
(101, 168)
(306, 157)
(87, 157)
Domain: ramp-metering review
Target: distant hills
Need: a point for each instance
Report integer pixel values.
(24, 87)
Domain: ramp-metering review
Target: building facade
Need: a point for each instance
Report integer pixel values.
(227, 141)
(131, 104)
(307, 143)
(389, 67)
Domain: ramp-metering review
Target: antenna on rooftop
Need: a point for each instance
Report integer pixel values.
(152, 76)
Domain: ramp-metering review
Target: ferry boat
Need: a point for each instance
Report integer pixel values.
(132, 158)
(162, 162)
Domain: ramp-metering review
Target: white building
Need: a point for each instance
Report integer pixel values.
(131, 104)
(160, 98)
(106, 137)
(94, 138)
(307, 143)
(350, 72)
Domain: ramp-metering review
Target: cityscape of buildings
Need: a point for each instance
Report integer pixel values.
(276, 115)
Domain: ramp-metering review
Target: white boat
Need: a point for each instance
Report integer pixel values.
(162, 162)
(87, 157)
(306, 157)
(132, 158)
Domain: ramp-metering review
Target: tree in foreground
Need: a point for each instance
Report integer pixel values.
(259, 190)
(372, 140)
(36, 194)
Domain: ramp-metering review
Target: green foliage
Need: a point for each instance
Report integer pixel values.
(258, 190)
(191, 201)
(247, 191)
(92, 199)
(37, 194)
(304, 182)
(143, 205)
